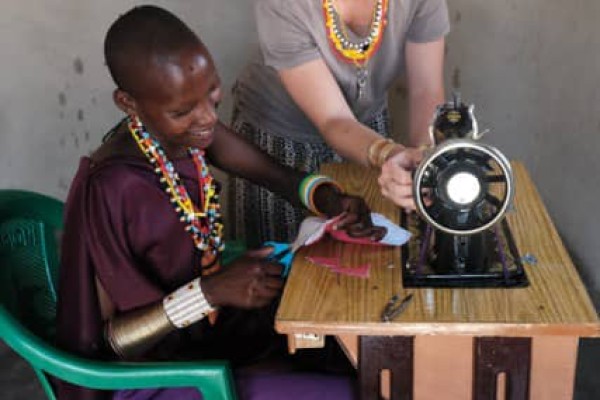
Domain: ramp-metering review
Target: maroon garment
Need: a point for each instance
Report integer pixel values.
(121, 228)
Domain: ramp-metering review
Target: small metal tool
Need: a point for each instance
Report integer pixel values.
(395, 307)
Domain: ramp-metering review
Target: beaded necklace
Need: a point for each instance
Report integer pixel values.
(204, 224)
(357, 53)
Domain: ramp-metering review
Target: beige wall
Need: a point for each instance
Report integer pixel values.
(56, 95)
(530, 67)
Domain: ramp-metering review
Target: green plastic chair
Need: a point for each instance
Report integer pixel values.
(30, 228)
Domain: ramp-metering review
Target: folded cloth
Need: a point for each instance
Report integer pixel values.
(395, 235)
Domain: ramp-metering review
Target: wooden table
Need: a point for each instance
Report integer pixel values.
(449, 343)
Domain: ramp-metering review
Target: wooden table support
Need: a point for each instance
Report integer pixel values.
(392, 353)
(501, 356)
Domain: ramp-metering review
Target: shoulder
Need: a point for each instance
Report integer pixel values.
(117, 143)
(420, 6)
(266, 10)
(118, 162)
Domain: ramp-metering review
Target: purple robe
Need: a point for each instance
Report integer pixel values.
(121, 228)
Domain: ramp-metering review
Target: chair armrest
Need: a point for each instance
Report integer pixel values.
(212, 378)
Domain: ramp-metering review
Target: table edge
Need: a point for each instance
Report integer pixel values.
(589, 330)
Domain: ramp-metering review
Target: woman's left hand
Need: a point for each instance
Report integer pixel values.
(354, 214)
(396, 177)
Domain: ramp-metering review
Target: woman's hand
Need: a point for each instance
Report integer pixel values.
(248, 282)
(355, 215)
(396, 176)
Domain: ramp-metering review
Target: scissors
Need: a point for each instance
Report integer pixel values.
(282, 254)
(395, 307)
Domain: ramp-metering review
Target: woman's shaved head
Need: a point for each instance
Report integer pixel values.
(142, 38)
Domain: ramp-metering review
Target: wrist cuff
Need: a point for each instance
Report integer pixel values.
(186, 305)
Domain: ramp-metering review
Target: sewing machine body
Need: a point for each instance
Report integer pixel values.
(462, 190)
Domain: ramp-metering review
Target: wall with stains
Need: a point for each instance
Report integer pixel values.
(531, 68)
(56, 97)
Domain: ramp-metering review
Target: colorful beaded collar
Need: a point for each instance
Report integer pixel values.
(357, 53)
(204, 224)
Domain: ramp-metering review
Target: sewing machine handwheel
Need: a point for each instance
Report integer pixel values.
(463, 187)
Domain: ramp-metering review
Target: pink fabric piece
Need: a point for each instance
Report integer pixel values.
(343, 236)
(333, 263)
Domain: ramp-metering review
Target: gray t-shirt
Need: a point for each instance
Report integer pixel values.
(293, 32)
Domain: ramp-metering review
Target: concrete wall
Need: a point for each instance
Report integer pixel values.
(56, 94)
(530, 67)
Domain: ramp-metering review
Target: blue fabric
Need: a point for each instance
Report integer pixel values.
(395, 235)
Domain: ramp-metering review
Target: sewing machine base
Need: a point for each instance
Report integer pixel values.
(436, 259)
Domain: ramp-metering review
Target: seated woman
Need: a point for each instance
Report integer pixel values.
(141, 277)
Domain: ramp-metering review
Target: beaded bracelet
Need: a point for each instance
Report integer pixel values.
(186, 305)
(308, 187)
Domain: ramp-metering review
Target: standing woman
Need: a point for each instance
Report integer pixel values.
(318, 94)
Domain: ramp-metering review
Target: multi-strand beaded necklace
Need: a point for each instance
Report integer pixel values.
(357, 53)
(204, 224)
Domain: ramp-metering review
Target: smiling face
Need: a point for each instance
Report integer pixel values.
(176, 98)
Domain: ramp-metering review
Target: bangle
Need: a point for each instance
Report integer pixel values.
(186, 305)
(308, 187)
(379, 150)
(374, 149)
(424, 147)
(136, 331)
(385, 152)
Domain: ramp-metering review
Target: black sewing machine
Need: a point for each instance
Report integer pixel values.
(462, 190)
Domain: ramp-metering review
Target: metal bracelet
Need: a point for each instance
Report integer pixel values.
(137, 331)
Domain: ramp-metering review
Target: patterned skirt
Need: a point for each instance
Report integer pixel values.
(256, 215)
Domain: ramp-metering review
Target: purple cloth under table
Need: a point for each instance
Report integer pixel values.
(262, 386)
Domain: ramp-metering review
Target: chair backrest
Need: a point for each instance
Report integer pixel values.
(30, 228)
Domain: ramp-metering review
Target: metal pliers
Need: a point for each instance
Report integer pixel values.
(395, 307)
(282, 254)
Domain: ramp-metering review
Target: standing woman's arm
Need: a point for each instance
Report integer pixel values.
(315, 91)
(424, 70)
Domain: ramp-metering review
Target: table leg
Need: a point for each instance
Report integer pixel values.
(392, 353)
(495, 356)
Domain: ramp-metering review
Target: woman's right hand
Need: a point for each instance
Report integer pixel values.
(248, 282)
(396, 176)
